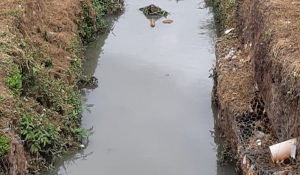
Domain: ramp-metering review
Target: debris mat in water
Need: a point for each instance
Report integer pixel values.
(153, 10)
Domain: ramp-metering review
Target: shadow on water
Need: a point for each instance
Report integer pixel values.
(89, 67)
(92, 54)
(222, 169)
(152, 111)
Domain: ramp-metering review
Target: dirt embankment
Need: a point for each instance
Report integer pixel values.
(41, 45)
(257, 79)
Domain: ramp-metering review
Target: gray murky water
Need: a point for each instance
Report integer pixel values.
(152, 110)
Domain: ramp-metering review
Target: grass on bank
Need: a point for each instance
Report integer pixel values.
(47, 109)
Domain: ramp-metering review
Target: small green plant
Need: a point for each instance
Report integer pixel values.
(87, 28)
(222, 10)
(213, 74)
(13, 13)
(45, 36)
(215, 98)
(81, 133)
(4, 145)
(290, 91)
(14, 79)
(2, 98)
(226, 155)
(37, 134)
(88, 106)
(48, 63)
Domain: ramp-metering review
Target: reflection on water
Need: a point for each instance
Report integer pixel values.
(152, 109)
(69, 160)
(92, 54)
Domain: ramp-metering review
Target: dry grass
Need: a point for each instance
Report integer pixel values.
(272, 28)
(236, 86)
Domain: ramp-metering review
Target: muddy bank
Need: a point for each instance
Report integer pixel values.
(256, 79)
(41, 44)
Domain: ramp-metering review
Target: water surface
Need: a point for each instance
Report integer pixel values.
(152, 109)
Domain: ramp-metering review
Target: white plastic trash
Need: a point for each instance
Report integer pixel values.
(228, 31)
(283, 150)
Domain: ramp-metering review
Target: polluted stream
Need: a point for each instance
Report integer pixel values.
(152, 112)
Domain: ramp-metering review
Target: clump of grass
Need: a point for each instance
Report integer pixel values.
(14, 79)
(4, 145)
(224, 12)
(213, 74)
(90, 27)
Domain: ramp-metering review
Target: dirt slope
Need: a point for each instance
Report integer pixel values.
(40, 64)
(257, 84)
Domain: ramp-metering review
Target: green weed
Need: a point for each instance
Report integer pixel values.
(45, 36)
(38, 134)
(14, 79)
(223, 9)
(4, 145)
(88, 28)
(225, 156)
(213, 74)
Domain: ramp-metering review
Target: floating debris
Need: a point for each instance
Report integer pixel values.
(152, 23)
(167, 21)
(153, 10)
